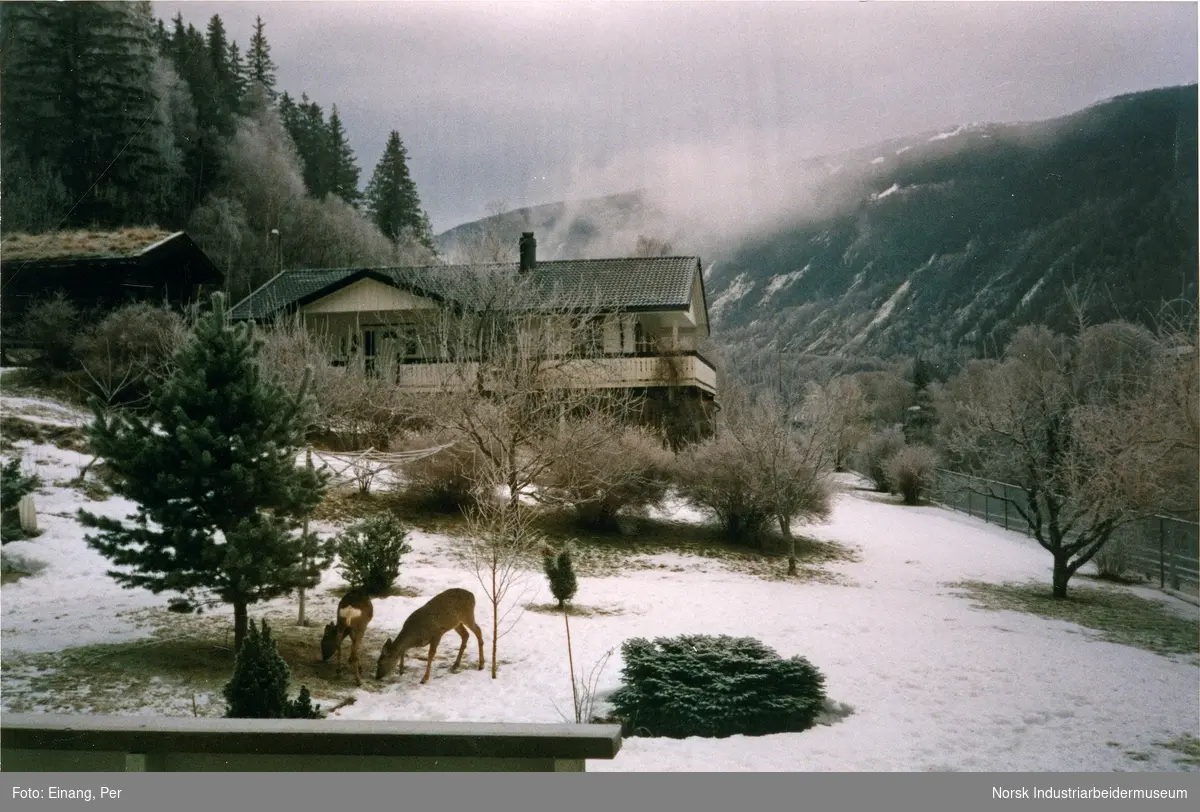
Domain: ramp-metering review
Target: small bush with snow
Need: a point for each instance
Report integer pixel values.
(714, 686)
(873, 454)
(910, 472)
(370, 553)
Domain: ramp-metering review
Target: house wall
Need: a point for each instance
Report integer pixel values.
(369, 296)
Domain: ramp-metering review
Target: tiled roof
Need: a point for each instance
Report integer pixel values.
(652, 283)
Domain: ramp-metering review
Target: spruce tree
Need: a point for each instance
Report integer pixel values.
(80, 101)
(343, 180)
(392, 198)
(261, 69)
(212, 470)
(238, 78)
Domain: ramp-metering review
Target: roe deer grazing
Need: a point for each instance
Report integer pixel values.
(354, 612)
(452, 609)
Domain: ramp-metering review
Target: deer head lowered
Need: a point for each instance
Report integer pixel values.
(354, 612)
(452, 609)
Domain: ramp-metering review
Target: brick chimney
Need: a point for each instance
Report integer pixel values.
(528, 248)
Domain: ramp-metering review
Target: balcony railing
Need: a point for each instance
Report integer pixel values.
(613, 372)
(83, 743)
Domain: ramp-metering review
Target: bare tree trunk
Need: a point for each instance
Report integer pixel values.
(1062, 574)
(571, 665)
(495, 618)
(300, 619)
(240, 621)
(785, 527)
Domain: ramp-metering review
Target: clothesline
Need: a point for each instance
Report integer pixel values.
(370, 461)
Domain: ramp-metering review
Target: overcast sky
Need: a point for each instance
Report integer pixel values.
(535, 102)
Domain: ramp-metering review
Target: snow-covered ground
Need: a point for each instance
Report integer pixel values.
(934, 683)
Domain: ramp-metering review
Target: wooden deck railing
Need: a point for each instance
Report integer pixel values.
(83, 743)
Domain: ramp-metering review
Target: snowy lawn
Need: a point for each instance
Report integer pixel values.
(935, 681)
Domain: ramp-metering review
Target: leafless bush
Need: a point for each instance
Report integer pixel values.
(350, 408)
(873, 454)
(755, 470)
(910, 471)
(128, 351)
(631, 471)
(445, 481)
(1114, 558)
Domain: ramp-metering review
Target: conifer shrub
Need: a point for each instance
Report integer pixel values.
(370, 553)
(714, 686)
(560, 572)
(258, 689)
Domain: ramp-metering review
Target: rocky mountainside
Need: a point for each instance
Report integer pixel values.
(943, 243)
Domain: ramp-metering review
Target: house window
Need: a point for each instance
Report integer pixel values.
(589, 337)
(643, 343)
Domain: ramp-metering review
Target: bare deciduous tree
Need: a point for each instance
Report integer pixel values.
(359, 409)
(520, 384)
(1062, 418)
(839, 412)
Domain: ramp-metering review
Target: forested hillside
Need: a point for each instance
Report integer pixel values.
(113, 118)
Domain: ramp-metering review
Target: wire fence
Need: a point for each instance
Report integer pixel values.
(1164, 550)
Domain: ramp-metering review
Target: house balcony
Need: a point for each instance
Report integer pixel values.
(610, 372)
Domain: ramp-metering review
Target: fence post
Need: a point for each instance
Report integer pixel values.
(1006, 513)
(1162, 561)
(970, 505)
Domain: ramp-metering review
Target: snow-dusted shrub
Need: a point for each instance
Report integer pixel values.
(714, 686)
(128, 351)
(910, 472)
(1114, 558)
(629, 473)
(873, 454)
(370, 553)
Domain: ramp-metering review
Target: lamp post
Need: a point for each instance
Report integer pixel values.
(278, 250)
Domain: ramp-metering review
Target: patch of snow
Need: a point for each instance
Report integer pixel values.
(943, 136)
(1028, 297)
(903, 150)
(778, 283)
(935, 683)
(886, 308)
(878, 160)
(738, 288)
(46, 412)
(895, 187)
